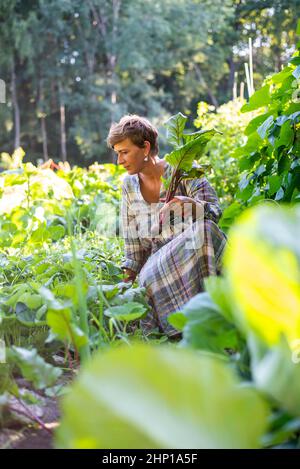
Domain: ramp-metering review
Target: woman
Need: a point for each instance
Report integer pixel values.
(171, 264)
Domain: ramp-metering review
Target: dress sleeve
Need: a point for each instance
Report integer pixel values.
(135, 253)
(205, 195)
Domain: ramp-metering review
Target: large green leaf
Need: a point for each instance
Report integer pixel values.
(33, 301)
(175, 126)
(33, 367)
(217, 287)
(276, 372)
(296, 72)
(189, 137)
(56, 232)
(127, 312)
(263, 128)
(61, 321)
(256, 122)
(263, 272)
(183, 156)
(61, 324)
(260, 98)
(159, 397)
(205, 327)
(196, 172)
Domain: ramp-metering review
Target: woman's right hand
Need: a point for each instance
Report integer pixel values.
(130, 275)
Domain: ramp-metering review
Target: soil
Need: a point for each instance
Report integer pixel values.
(21, 432)
(31, 435)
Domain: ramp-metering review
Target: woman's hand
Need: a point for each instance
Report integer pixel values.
(174, 205)
(177, 206)
(130, 275)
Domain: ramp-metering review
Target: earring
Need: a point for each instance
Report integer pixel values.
(146, 158)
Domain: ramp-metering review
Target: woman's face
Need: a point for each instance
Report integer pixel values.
(130, 156)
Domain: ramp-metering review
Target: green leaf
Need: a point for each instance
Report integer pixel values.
(217, 288)
(110, 291)
(295, 61)
(175, 126)
(196, 172)
(274, 183)
(128, 312)
(252, 145)
(159, 397)
(287, 431)
(33, 301)
(244, 182)
(286, 135)
(184, 156)
(166, 182)
(59, 321)
(248, 161)
(263, 270)
(246, 193)
(232, 211)
(56, 232)
(177, 320)
(33, 367)
(281, 76)
(254, 123)
(284, 164)
(260, 98)
(276, 372)
(77, 336)
(296, 72)
(40, 234)
(189, 137)
(61, 324)
(25, 315)
(263, 128)
(294, 117)
(16, 294)
(206, 328)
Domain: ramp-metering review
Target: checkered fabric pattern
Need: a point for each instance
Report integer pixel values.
(171, 265)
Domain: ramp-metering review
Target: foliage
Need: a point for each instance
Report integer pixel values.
(160, 398)
(92, 60)
(270, 158)
(64, 306)
(228, 119)
(62, 302)
(209, 331)
(251, 314)
(188, 148)
(62, 291)
(35, 203)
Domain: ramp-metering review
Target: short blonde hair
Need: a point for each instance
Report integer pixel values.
(137, 128)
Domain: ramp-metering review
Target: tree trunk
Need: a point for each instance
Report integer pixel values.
(63, 138)
(111, 77)
(231, 79)
(44, 137)
(42, 116)
(2, 92)
(200, 77)
(112, 58)
(15, 104)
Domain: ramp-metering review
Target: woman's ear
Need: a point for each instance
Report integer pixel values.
(147, 147)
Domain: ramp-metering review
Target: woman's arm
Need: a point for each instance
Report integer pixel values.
(135, 253)
(202, 192)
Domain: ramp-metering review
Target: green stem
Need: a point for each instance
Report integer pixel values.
(85, 352)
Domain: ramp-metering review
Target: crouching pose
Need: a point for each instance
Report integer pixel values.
(171, 260)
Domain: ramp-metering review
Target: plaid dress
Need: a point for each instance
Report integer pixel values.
(171, 265)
